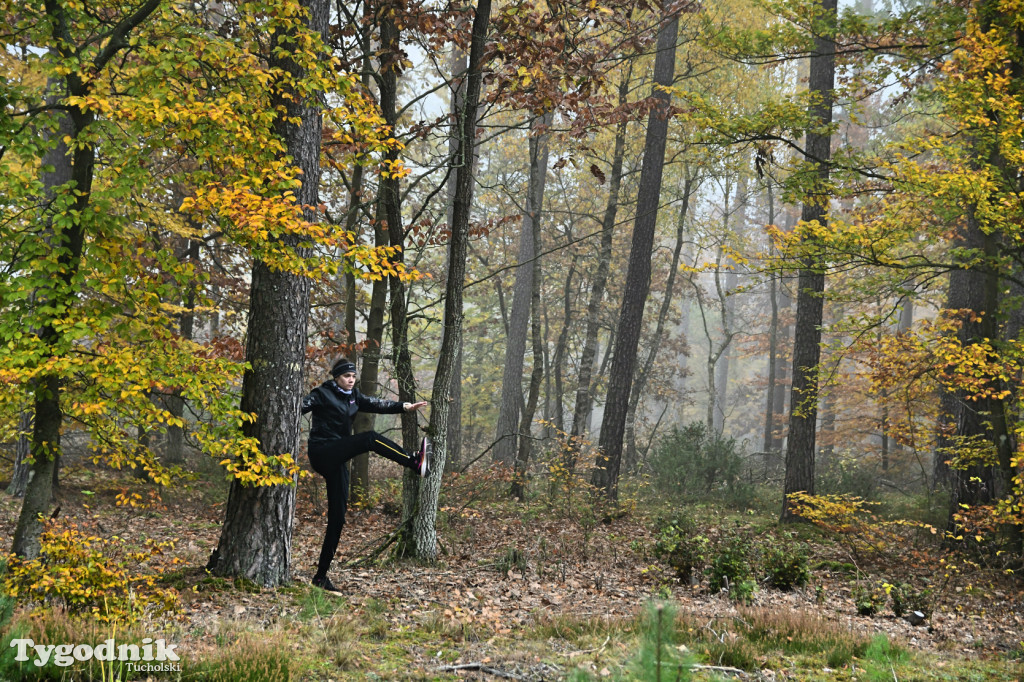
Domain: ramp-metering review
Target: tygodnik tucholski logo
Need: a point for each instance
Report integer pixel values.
(150, 656)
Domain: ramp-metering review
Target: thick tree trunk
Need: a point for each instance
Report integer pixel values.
(584, 396)
(803, 405)
(422, 543)
(515, 350)
(22, 448)
(255, 541)
(977, 291)
(638, 274)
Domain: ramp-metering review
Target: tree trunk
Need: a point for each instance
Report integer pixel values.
(784, 361)
(369, 374)
(803, 405)
(422, 543)
(724, 355)
(536, 375)
(22, 448)
(773, 345)
(638, 274)
(632, 452)
(174, 446)
(68, 167)
(455, 436)
(584, 396)
(255, 541)
(557, 411)
(522, 294)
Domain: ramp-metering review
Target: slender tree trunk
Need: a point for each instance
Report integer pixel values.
(422, 543)
(803, 405)
(638, 274)
(174, 447)
(536, 375)
(255, 540)
(584, 395)
(515, 350)
(557, 412)
(773, 346)
(724, 356)
(369, 374)
(632, 452)
(784, 362)
(455, 436)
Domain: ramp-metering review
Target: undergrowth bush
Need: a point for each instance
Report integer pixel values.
(907, 597)
(680, 544)
(862, 533)
(731, 568)
(787, 564)
(89, 576)
(691, 463)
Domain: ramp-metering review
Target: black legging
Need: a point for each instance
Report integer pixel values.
(328, 458)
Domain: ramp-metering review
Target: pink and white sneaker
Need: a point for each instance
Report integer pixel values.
(422, 458)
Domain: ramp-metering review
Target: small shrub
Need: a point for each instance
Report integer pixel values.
(869, 599)
(692, 463)
(512, 560)
(659, 658)
(89, 577)
(906, 598)
(683, 548)
(786, 565)
(731, 566)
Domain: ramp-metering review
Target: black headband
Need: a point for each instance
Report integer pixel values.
(341, 367)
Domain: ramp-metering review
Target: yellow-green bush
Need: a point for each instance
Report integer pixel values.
(89, 576)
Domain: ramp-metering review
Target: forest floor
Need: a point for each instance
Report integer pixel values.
(533, 591)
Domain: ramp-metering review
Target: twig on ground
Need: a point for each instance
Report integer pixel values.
(482, 668)
(720, 669)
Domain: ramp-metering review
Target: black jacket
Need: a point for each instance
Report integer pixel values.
(333, 410)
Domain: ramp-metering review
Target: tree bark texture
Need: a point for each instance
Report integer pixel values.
(255, 541)
(22, 449)
(803, 403)
(638, 274)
